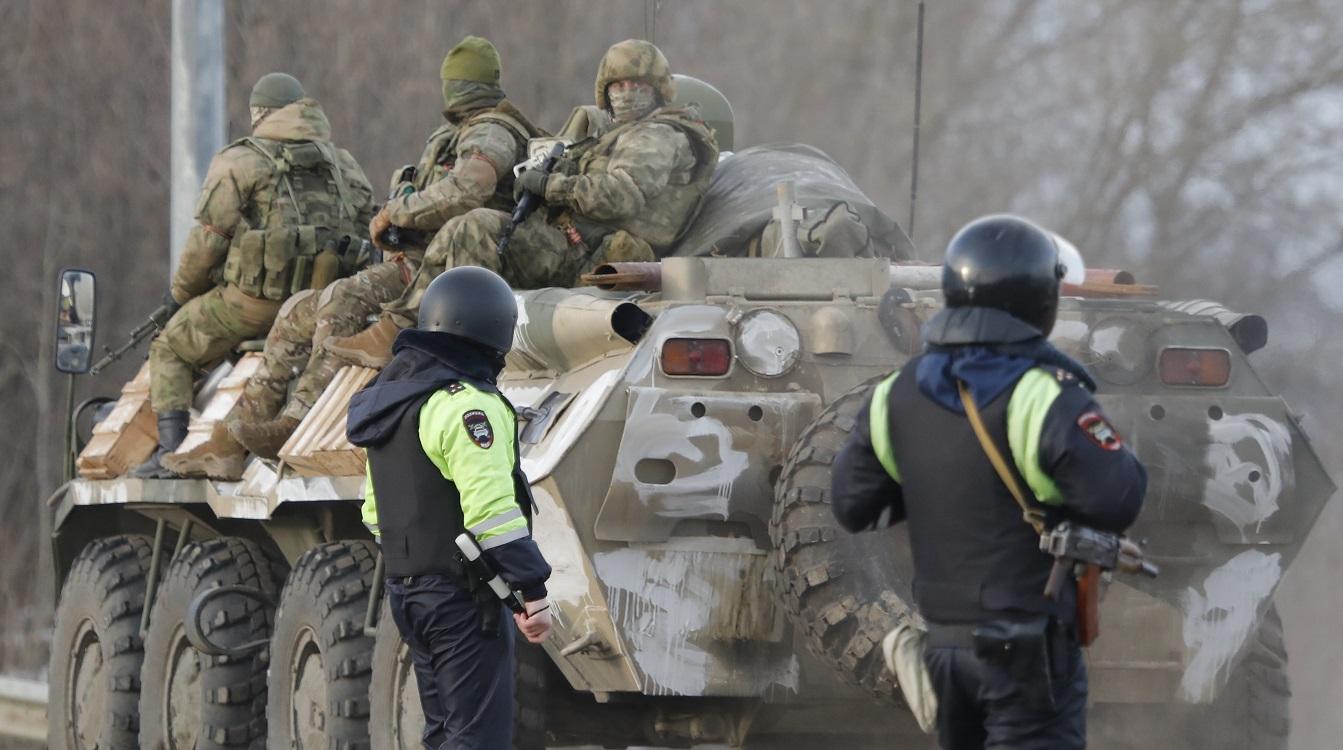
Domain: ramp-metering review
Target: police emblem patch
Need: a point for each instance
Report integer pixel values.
(478, 428)
(1099, 431)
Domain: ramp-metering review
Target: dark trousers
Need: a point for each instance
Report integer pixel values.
(980, 707)
(465, 677)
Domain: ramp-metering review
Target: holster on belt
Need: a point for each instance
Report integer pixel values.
(487, 604)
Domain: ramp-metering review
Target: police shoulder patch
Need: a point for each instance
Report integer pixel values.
(478, 428)
(1099, 431)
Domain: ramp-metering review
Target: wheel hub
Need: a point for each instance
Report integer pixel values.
(88, 688)
(182, 693)
(308, 717)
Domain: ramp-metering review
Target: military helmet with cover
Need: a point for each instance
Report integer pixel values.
(275, 90)
(1007, 263)
(638, 60)
(471, 302)
(713, 107)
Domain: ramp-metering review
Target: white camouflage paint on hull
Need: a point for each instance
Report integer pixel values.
(1249, 463)
(1220, 619)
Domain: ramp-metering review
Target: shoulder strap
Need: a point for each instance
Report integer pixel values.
(1033, 516)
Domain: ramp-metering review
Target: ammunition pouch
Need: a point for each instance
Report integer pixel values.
(1022, 651)
(272, 263)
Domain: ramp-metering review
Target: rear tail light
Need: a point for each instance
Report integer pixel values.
(1209, 368)
(696, 356)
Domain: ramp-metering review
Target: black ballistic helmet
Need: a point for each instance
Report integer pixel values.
(471, 302)
(1007, 263)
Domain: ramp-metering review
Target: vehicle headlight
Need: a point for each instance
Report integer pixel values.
(768, 343)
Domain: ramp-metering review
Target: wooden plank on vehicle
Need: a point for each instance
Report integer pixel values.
(126, 437)
(319, 446)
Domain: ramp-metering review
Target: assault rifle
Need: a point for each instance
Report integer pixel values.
(399, 237)
(529, 201)
(1085, 552)
(155, 323)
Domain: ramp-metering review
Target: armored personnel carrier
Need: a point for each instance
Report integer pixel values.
(680, 419)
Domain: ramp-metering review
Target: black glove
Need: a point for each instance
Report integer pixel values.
(530, 181)
(170, 302)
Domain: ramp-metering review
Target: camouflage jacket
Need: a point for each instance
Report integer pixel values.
(646, 177)
(466, 166)
(244, 189)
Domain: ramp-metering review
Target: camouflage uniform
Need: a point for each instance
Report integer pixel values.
(627, 195)
(467, 163)
(245, 195)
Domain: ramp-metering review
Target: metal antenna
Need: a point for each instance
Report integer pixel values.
(918, 111)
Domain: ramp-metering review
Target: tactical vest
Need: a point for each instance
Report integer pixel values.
(669, 214)
(975, 559)
(303, 207)
(420, 511)
(440, 152)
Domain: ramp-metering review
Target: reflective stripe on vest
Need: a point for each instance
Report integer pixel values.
(1031, 399)
(879, 425)
(1027, 408)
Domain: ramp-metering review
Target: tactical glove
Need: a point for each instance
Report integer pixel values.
(170, 303)
(530, 181)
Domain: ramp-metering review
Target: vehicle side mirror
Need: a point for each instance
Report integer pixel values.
(75, 321)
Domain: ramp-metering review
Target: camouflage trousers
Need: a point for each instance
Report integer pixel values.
(294, 346)
(538, 256)
(203, 332)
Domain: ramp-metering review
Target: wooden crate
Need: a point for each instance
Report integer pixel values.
(318, 447)
(126, 438)
(221, 403)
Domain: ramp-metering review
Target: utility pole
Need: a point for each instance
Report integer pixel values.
(198, 108)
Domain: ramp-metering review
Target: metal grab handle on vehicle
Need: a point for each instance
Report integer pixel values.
(196, 634)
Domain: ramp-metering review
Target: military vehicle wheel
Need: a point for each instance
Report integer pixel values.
(193, 700)
(395, 716)
(843, 592)
(1250, 713)
(319, 655)
(96, 650)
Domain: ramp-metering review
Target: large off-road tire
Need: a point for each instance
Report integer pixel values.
(319, 656)
(1250, 713)
(96, 650)
(843, 592)
(190, 700)
(395, 717)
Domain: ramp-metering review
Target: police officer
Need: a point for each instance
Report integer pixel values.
(443, 459)
(1002, 657)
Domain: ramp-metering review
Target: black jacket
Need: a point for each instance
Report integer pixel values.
(974, 556)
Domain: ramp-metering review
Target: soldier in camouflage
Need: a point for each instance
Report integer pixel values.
(467, 163)
(626, 195)
(271, 204)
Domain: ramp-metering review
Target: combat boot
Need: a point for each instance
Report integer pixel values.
(371, 347)
(266, 438)
(172, 431)
(220, 457)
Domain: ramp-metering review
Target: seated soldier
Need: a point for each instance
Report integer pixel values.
(270, 203)
(467, 163)
(623, 196)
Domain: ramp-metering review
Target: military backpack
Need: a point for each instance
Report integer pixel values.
(306, 208)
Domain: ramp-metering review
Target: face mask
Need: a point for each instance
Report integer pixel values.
(460, 97)
(629, 103)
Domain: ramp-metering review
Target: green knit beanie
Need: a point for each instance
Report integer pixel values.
(275, 90)
(473, 59)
